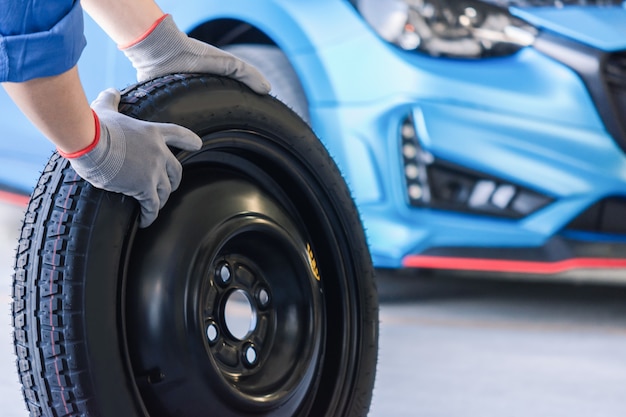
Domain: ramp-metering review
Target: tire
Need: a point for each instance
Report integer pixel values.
(253, 293)
(275, 66)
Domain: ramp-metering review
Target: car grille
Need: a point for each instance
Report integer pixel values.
(604, 75)
(614, 74)
(605, 216)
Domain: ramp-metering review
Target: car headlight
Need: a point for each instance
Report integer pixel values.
(454, 28)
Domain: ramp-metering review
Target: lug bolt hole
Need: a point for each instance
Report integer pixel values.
(263, 297)
(250, 355)
(223, 274)
(212, 333)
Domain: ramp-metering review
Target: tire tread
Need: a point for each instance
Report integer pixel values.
(47, 341)
(50, 266)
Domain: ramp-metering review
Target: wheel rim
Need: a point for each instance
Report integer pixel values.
(231, 319)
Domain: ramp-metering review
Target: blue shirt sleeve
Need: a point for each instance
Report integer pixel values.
(39, 38)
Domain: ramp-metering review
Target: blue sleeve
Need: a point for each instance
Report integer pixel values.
(39, 38)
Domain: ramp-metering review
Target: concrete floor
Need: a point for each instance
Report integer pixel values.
(458, 348)
(486, 348)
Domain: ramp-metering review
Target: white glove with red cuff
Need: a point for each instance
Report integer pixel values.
(132, 157)
(164, 49)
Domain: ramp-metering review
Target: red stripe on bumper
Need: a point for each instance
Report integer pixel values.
(499, 265)
(12, 198)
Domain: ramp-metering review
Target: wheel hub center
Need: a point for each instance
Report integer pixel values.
(240, 315)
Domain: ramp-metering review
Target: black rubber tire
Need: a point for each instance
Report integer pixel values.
(275, 66)
(111, 320)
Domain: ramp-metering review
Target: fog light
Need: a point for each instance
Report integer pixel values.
(408, 130)
(412, 172)
(415, 192)
(409, 151)
(431, 182)
(483, 190)
(415, 161)
(503, 195)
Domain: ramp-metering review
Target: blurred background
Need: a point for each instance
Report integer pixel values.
(485, 146)
(456, 346)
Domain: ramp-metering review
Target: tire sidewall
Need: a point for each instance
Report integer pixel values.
(105, 226)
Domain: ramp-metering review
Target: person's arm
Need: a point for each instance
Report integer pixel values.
(58, 107)
(57, 104)
(156, 46)
(124, 21)
(106, 148)
(109, 150)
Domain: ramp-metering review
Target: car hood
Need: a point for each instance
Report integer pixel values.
(600, 27)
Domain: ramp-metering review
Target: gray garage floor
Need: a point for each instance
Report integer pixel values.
(458, 348)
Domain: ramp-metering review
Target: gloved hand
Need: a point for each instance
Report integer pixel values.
(167, 50)
(131, 156)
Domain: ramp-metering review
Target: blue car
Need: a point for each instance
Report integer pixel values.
(475, 136)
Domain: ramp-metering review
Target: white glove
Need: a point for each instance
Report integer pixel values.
(167, 50)
(131, 156)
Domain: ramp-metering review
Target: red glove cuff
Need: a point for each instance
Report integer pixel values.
(146, 33)
(89, 148)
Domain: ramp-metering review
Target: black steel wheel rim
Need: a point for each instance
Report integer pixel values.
(114, 320)
(244, 225)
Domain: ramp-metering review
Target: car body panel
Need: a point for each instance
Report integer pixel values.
(527, 119)
(600, 27)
